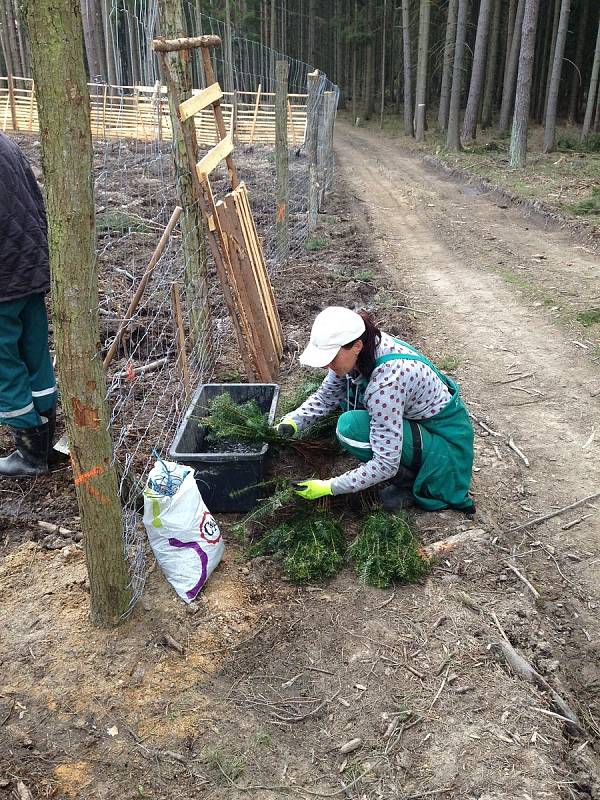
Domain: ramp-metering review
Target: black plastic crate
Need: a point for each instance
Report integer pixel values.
(219, 475)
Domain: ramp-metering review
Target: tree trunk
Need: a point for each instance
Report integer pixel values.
(592, 91)
(406, 53)
(94, 66)
(510, 29)
(518, 142)
(11, 37)
(489, 92)
(550, 61)
(453, 137)
(369, 95)
(508, 91)
(579, 56)
(447, 68)
(422, 62)
(312, 12)
(64, 110)
(478, 71)
(273, 33)
(281, 160)
(559, 52)
(111, 67)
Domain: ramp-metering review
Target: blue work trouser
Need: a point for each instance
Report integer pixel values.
(27, 382)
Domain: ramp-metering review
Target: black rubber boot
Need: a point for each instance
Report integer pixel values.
(394, 498)
(30, 459)
(405, 477)
(54, 456)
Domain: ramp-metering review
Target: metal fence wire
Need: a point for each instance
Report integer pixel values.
(135, 196)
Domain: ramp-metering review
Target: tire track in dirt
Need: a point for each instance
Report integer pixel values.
(442, 245)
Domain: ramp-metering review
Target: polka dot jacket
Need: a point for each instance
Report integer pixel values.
(397, 389)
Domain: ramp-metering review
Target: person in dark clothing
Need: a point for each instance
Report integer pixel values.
(28, 392)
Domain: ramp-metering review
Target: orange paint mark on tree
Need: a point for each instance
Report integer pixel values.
(85, 416)
(280, 212)
(87, 476)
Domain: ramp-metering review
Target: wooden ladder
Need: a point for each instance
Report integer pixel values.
(231, 230)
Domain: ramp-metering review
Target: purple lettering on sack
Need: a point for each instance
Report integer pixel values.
(203, 560)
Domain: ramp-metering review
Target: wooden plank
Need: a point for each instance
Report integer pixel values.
(256, 107)
(217, 111)
(250, 299)
(197, 102)
(258, 262)
(214, 157)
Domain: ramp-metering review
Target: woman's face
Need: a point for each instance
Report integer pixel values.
(345, 360)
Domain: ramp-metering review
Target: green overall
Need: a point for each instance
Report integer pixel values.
(446, 459)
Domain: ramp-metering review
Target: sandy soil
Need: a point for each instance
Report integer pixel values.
(269, 680)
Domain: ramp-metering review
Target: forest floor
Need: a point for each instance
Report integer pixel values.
(564, 182)
(271, 680)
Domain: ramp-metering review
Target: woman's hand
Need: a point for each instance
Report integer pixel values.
(287, 428)
(312, 489)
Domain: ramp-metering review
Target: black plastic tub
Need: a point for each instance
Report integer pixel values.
(221, 476)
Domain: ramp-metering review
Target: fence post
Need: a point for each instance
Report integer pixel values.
(331, 99)
(11, 99)
(192, 224)
(313, 106)
(56, 40)
(281, 158)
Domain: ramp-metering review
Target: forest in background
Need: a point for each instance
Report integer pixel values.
(452, 65)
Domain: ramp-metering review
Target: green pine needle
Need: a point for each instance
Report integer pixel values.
(386, 550)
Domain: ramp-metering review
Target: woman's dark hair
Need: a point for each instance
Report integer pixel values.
(370, 339)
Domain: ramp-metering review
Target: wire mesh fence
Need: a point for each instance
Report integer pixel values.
(150, 378)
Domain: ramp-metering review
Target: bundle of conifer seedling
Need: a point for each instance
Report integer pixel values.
(245, 422)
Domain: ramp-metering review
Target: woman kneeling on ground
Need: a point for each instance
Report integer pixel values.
(401, 417)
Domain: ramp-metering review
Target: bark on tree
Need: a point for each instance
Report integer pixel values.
(111, 67)
(518, 141)
(370, 58)
(453, 137)
(508, 90)
(592, 90)
(489, 92)
(406, 54)
(550, 60)
(89, 22)
(64, 111)
(478, 71)
(577, 68)
(312, 13)
(559, 52)
(510, 29)
(447, 68)
(273, 32)
(422, 62)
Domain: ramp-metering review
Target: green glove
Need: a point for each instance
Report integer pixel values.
(312, 489)
(287, 428)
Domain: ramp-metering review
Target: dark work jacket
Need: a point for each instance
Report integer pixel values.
(24, 266)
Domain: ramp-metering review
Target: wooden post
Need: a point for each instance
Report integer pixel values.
(218, 112)
(104, 98)
(180, 332)
(313, 107)
(291, 122)
(234, 114)
(255, 116)
(281, 160)
(174, 64)
(11, 100)
(330, 100)
(158, 94)
(56, 42)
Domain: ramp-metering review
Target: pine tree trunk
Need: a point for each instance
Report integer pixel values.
(90, 41)
(579, 55)
(478, 71)
(281, 160)
(592, 90)
(406, 54)
(369, 95)
(312, 12)
(447, 68)
(64, 111)
(550, 60)
(273, 33)
(559, 52)
(510, 29)
(111, 67)
(508, 91)
(489, 93)
(518, 142)
(453, 137)
(422, 62)
(11, 38)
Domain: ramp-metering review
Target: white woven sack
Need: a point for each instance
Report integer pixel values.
(183, 534)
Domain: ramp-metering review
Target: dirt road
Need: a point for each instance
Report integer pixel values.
(501, 292)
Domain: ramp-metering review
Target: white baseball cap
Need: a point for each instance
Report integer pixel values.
(334, 327)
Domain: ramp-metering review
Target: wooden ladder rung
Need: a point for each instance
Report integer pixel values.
(199, 101)
(214, 157)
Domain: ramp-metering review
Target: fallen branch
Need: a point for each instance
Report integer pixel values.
(523, 668)
(444, 545)
(522, 577)
(574, 522)
(139, 370)
(50, 526)
(562, 510)
(512, 380)
(515, 449)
